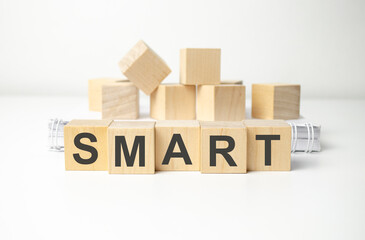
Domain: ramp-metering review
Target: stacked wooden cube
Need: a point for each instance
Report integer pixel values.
(114, 98)
(199, 95)
(202, 117)
(119, 99)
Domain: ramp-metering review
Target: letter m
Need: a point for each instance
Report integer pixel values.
(121, 144)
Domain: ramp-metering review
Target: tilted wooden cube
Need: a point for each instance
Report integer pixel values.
(178, 145)
(86, 145)
(131, 147)
(269, 144)
(221, 103)
(144, 67)
(173, 102)
(200, 66)
(276, 101)
(223, 147)
(95, 91)
(120, 101)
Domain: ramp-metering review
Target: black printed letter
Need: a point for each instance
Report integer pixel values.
(176, 138)
(139, 141)
(267, 139)
(79, 145)
(223, 151)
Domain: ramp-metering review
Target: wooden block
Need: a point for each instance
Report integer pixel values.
(120, 101)
(275, 101)
(95, 89)
(269, 144)
(177, 145)
(200, 66)
(230, 82)
(144, 67)
(86, 145)
(131, 147)
(223, 147)
(221, 103)
(173, 102)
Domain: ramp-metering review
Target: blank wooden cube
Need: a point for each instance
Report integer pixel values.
(269, 144)
(200, 66)
(221, 103)
(120, 101)
(178, 145)
(144, 67)
(275, 101)
(95, 91)
(131, 147)
(86, 145)
(223, 147)
(173, 102)
(232, 82)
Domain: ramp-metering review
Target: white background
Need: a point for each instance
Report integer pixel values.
(48, 51)
(53, 47)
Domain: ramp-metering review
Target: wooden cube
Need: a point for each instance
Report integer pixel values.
(178, 145)
(223, 147)
(269, 144)
(173, 102)
(230, 82)
(95, 91)
(131, 147)
(86, 145)
(200, 66)
(144, 67)
(275, 101)
(221, 103)
(120, 101)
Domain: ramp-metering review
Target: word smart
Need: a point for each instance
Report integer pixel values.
(143, 147)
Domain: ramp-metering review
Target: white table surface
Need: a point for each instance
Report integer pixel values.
(323, 197)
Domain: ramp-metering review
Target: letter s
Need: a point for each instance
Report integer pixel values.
(88, 148)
